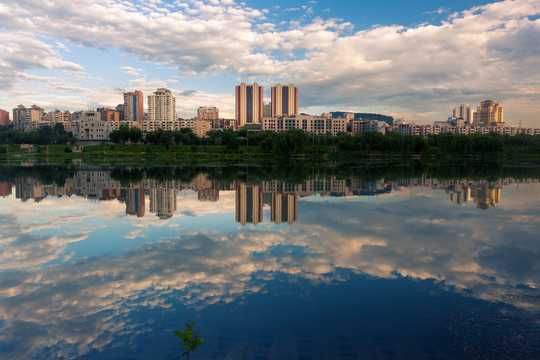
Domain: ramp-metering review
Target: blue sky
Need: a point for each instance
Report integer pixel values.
(414, 59)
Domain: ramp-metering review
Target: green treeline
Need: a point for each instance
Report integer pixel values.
(298, 142)
(43, 135)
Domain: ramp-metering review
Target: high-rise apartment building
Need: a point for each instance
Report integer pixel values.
(27, 119)
(284, 100)
(133, 106)
(207, 113)
(108, 114)
(4, 118)
(249, 104)
(489, 113)
(267, 109)
(161, 111)
(54, 117)
(464, 112)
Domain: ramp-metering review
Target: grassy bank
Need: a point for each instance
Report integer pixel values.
(149, 155)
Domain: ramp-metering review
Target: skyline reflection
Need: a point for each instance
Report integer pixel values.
(280, 196)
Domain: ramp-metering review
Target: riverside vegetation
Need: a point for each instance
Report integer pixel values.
(162, 146)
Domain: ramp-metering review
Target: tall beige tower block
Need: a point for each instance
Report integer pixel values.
(284, 100)
(249, 104)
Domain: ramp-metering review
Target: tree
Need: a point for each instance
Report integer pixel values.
(190, 340)
(59, 129)
(115, 136)
(135, 135)
(151, 137)
(166, 139)
(124, 133)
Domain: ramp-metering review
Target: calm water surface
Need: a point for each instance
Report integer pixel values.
(96, 267)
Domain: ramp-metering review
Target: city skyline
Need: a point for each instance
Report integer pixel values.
(416, 61)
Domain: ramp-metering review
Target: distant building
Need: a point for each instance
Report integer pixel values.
(90, 129)
(308, 123)
(267, 109)
(114, 119)
(443, 127)
(199, 127)
(359, 126)
(59, 117)
(55, 117)
(133, 106)
(27, 119)
(107, 114)
(284, 100)
(489, 113)
(120, 108)
(4, 118)
(161, 111)
(464, 112)
(207, 113)
(223, 124)
(249, 104)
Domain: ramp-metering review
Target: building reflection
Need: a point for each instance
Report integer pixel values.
(486, 195)
(162, 196)
(284, 208)
(5, 188)
(134, 199)
(249, 204)
(280, 197)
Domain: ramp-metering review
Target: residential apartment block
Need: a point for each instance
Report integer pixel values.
(161, 106)
(27, 119)
(207, 113)
(489, 113)
(426, 130)
(464, 112)
(133, 107)
(88, 127)
(4, 118)
(308, 123)
(358, 126)
(284, 100)
(249, 104)
(198, 126)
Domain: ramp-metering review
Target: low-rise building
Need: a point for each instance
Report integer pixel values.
(90, 129)
(358, 126)
(308, 123)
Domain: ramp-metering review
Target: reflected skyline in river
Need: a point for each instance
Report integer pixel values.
(97, 264)
(280, 196)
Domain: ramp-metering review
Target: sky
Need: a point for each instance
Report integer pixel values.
(412, 59)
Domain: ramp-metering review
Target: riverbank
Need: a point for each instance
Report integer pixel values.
(199, 154)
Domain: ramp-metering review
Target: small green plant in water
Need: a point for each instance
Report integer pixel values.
(190, 340)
